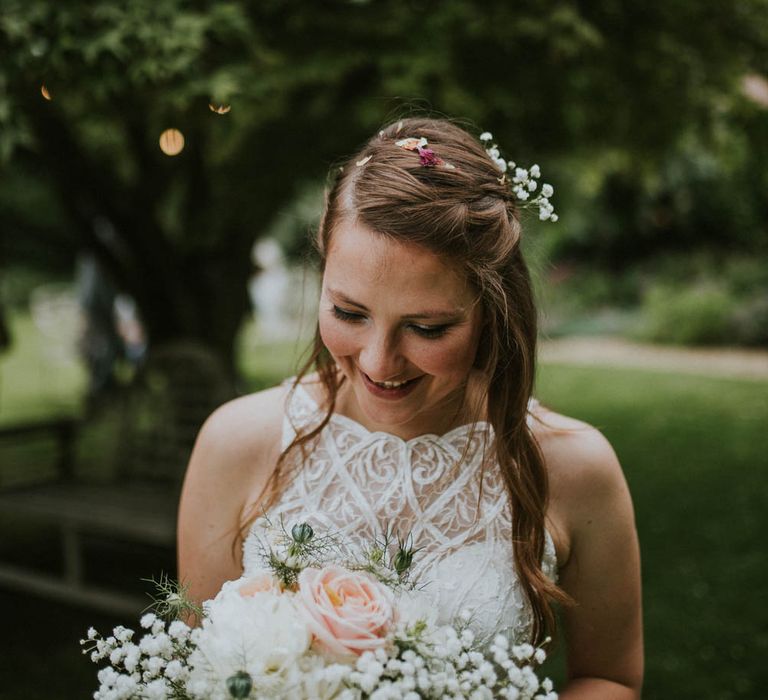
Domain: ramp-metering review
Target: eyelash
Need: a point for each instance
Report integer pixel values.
(430, 332)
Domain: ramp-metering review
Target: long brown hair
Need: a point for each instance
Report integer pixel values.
(464, 213)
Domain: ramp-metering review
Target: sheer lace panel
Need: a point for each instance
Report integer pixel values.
(355, 482)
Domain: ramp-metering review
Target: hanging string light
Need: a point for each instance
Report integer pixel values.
(755, 87)
(171, 142)
(44, 92)
(219, 109)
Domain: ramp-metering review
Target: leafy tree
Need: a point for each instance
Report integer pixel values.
(306, 82)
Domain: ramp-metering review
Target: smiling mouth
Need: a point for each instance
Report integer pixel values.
(392, 386)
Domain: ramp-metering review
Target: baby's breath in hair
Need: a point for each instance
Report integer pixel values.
(524, 181)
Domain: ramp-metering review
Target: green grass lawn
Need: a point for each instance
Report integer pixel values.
(694, 452)
(38, 378)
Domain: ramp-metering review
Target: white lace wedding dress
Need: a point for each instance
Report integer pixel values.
(355, 482)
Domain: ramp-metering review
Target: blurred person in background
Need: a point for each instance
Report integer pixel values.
(100, 344)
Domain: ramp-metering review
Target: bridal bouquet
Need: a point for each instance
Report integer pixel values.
(307, 627)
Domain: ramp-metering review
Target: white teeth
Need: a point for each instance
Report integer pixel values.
(391, 385)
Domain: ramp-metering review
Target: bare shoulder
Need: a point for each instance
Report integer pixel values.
(573, 450)
(244, 428)
(251, 426)
(235, 451)
(233, 458)
(591, 519)
(585, 477)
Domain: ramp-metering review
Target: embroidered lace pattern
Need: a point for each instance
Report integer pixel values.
(356, 481)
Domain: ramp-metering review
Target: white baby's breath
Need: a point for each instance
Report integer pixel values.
(178, 630)
(524, 181)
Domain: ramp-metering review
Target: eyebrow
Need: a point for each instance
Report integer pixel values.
(440, 314)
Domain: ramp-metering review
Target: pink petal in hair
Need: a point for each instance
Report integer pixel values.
(428, 157)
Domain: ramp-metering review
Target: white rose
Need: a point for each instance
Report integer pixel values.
(263, 635)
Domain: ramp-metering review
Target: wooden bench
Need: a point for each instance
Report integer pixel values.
(128, 512)
(159, 418)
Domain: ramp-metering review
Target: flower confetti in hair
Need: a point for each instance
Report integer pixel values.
(412, 144)
(427, 157)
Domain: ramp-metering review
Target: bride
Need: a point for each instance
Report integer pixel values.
(416, 410)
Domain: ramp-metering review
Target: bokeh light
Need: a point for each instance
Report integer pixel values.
(755, 87)
(171, 142)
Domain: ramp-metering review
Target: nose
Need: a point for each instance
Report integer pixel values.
(381, 357)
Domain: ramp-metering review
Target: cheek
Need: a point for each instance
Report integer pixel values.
(454, 357)
(339, 338)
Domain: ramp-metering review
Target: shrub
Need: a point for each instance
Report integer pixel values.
(696, 315)
(749, 323)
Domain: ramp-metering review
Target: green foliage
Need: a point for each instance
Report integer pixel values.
(703, 301)
(701, 298)
(705, 194)
(17, 284)
(689, 316)
(605, 91)
(749, 322)
(579, 300)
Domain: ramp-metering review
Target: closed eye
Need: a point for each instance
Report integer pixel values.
(430, 331)
(424, 331)
(346, 315)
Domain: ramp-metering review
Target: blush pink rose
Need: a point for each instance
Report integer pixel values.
(348, 612)
(261, 583)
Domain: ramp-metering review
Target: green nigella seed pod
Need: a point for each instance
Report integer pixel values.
(239, 685)
(403, 560)
(302, 533)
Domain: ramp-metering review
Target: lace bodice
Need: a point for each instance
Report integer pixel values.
(355, 482)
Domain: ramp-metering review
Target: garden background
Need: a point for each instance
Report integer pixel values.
(162, 165)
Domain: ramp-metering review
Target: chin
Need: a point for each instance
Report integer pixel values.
(384, 416)
(383, 413)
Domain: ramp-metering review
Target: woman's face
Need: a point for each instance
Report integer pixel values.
(403, 327)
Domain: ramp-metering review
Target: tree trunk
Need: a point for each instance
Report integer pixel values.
(188, 287)
(5, 333)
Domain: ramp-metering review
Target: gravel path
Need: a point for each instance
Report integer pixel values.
(616, 352)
